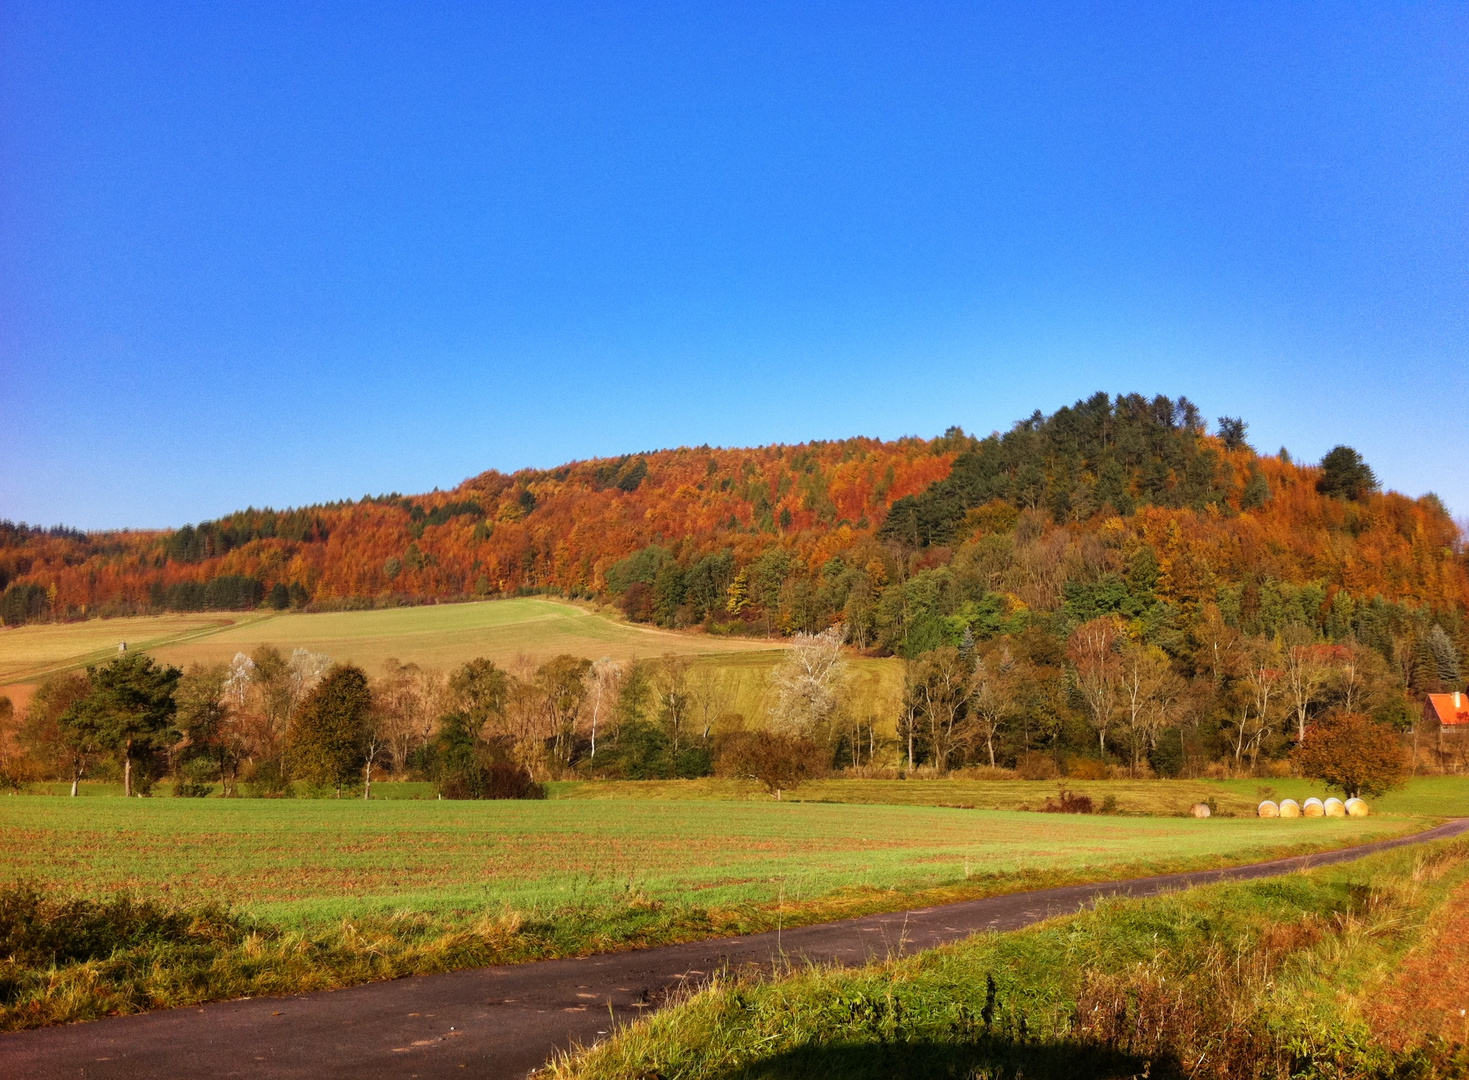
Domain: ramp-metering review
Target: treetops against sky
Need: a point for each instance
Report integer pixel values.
(1123, 505)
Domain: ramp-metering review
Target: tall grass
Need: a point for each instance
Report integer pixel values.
(77, 959)
(1257, 980)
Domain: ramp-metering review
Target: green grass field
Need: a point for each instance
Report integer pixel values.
(316, 859)
(1424, 796)
(1431, 796)
(321, 893)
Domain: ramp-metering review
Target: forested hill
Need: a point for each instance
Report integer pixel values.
(1127, 505)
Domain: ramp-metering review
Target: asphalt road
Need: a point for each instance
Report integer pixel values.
(501, 1022)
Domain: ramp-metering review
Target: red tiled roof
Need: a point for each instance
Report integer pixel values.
(1450, 708)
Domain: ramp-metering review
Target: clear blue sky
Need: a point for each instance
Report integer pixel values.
(272, 255)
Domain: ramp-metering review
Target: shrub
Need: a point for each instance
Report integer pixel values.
(984, 772)
(36, 930)
(268, 780)
(194, 778)
(1167, 758)
(1037, 766)
(779, 762)
(1070, 802)
(499, 780)
(504, 781)
(1082, 768)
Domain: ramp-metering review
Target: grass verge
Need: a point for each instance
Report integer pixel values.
(1263, 979)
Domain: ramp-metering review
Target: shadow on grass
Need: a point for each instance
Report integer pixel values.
(985, 1059)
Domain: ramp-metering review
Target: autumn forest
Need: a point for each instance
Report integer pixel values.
(1120, 567)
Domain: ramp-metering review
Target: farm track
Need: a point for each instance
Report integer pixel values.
(97, 656)
(502, 1022)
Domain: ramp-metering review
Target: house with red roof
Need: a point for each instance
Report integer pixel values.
(1448, 714)
(1447, 710)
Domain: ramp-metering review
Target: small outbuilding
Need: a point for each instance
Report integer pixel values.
(1446, 717)
(1449, 713)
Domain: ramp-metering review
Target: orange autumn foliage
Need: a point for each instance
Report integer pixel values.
(562, 529)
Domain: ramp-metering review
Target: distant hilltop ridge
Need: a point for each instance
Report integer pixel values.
(1130, 493)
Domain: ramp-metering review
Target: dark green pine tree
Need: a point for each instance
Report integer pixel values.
(1344, 475)
(1445, 657)
(1257, 491)
(329, 735)
(130, 712)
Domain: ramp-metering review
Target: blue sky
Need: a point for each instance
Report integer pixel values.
(271, 255)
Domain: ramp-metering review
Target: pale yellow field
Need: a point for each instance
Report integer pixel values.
(441, 636)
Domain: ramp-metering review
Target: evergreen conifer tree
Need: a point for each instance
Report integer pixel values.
(129, 712)
(1345, 475)
(1445, 656)
(329, 734)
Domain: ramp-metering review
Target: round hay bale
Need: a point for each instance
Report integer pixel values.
(1199, 809)
(1312, 808)
(1290, 808)
(1268, 809)
(1356, 808)
(1334, 808)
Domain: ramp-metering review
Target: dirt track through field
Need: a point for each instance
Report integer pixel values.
(502, 1022)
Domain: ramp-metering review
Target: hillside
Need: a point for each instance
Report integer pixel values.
(1123, 505)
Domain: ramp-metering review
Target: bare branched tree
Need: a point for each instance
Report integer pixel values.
(991, 696)
(1307, 672)
(1149, 691)
(942, 688)
(1092, 650)
(606, 678)
(808, 684)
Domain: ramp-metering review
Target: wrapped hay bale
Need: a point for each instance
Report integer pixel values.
(1199, 809)
(1268, 809)
(1334, 808)
(1290, 808)
(1356, 808)
(1312, 808)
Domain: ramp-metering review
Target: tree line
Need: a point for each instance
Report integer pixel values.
(271, 724)
(1102, 703)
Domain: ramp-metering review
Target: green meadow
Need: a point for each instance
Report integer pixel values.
(304, 860)
(1431, 796)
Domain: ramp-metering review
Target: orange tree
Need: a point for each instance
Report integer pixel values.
(1352, 752)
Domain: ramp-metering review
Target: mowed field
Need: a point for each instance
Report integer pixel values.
(1429, 796)
(308, 860)
(440, 635)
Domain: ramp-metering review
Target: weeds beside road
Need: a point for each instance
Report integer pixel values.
(1268, 979)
